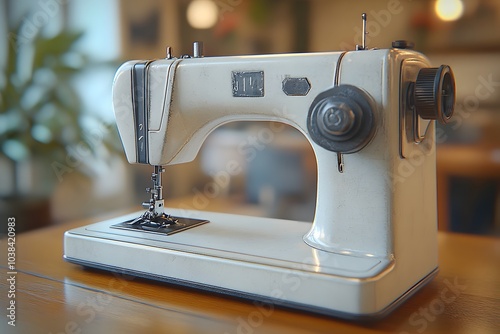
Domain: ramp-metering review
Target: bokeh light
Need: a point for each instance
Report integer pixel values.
(449, 10)
(202, 14)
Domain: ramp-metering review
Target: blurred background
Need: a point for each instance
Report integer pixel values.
(61, 158)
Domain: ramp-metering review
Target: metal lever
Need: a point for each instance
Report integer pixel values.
(340, 162)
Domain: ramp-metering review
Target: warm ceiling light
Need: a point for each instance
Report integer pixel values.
(449, 10)
(202, 14)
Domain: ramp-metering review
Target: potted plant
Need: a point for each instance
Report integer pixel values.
(41, 123)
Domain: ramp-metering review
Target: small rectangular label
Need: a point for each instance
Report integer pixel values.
(248, 83)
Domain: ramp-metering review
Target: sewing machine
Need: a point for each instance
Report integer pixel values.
(369, 117)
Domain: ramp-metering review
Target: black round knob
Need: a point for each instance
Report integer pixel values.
(402, 44)
(342, 119)
(434, 93)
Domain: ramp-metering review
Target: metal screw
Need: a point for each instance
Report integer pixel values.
(338, 119)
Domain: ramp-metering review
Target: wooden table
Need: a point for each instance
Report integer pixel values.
(53, 296)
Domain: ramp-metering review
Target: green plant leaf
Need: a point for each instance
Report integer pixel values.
(50, 125)
(51, 49)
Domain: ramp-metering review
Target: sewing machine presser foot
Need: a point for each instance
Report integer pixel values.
(155, 220)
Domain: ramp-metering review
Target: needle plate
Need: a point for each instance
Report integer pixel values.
(178, 224)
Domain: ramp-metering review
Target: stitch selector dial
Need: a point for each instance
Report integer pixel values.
(434, 93)
(342, 119)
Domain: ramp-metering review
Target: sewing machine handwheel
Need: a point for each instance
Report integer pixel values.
(434, 93)
(342, 119)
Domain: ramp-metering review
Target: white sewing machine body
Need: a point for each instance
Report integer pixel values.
(373, 241)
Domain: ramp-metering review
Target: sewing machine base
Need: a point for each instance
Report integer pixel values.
(260, 259)
(262, 300)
